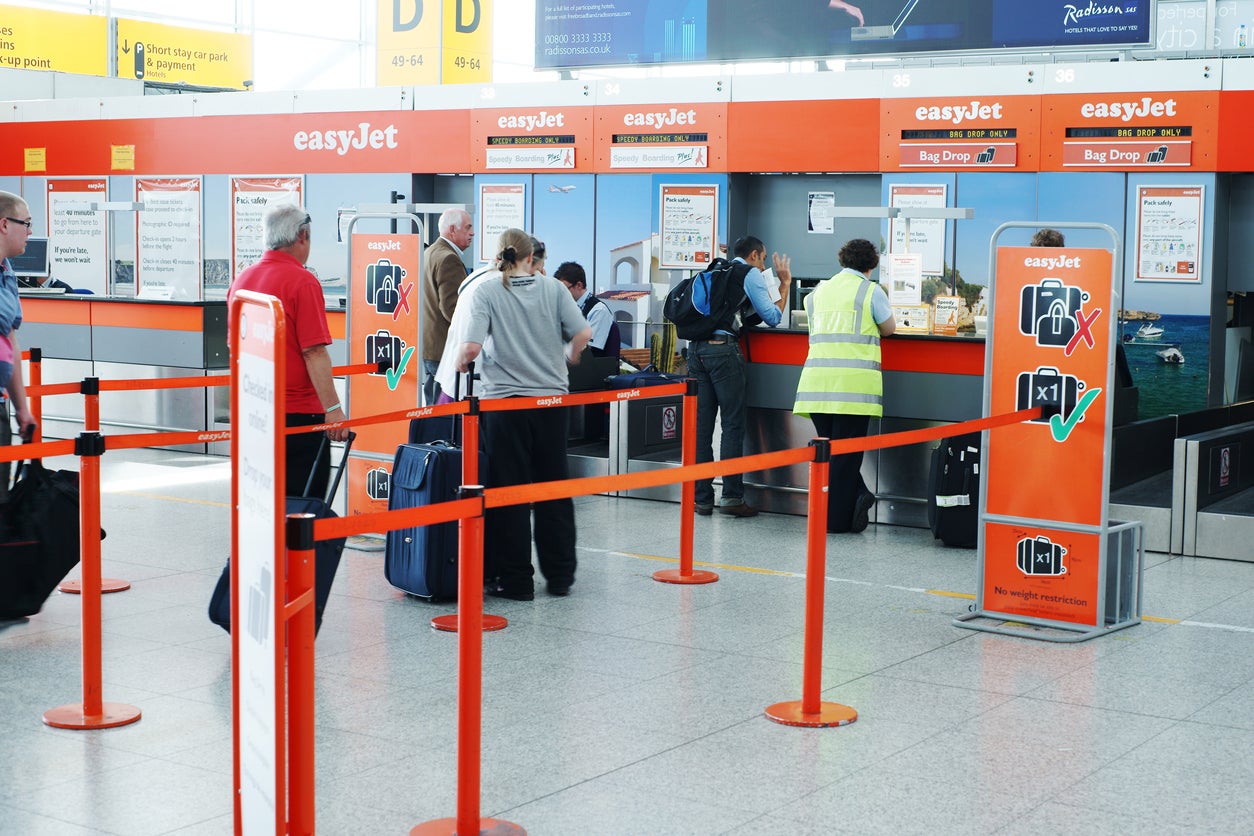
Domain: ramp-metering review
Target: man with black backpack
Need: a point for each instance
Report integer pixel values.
(737, 296)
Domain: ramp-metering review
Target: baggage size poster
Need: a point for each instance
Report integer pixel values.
(1051, 347)
(382, 326)
(1041, 573)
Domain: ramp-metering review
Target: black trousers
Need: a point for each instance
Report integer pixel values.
(302, 449)
(6, 438)
(525, 447)
(845, 484)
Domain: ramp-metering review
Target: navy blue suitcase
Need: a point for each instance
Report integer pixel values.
(326, 552)
(422, 560)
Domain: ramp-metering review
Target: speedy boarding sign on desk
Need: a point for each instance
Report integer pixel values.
(382, 327)
(1045, 480)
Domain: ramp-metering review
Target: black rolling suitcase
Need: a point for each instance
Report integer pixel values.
(326, 552)
(39, 537)
(954, 495)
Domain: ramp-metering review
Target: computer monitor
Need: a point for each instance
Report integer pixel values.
(34, 262)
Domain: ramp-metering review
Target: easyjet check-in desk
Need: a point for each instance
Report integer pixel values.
(128, 339)
(928, 381)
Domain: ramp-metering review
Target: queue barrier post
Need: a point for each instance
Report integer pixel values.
(687, 505)
(470, 476)
(299, 615)
(810, 712)
(36, 402)
(90, 390)
(468, 821)
(92, 712)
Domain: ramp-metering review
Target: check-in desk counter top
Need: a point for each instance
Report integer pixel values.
(928, 381)
(120, 338)
(103, 329)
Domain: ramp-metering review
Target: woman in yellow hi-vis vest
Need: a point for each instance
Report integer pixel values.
(840, 387)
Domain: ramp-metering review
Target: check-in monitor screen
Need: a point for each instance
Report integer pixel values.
(33, 262)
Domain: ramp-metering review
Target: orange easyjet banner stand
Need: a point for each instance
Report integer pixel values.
(383, 317)
(1049, 556)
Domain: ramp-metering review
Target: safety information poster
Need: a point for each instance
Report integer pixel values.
(927, 235)
(502, 206)
(1169, 233)
(168, 261)
(250, 197)
(689, 226)
(78, 251)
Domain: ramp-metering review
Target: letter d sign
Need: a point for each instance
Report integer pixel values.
(465, 28)
(397, 25)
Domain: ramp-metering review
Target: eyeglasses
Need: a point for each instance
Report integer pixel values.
(308, 220)
(26, 224)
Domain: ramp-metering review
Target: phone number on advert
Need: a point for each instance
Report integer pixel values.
(570, 38)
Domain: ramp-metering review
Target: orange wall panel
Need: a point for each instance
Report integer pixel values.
(827, 135)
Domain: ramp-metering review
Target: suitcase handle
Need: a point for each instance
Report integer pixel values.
(339, 471)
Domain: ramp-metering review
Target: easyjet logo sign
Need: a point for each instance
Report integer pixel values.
(1127, 111)
(532, 121)
(342, 141)
(957, 114)
(660, 118)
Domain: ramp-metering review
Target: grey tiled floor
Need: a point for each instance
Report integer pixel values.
(633, 707)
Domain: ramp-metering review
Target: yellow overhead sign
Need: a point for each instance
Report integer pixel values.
(63, 42)
(178, 54)
(445, 41)
(467, 41)
(408, 45)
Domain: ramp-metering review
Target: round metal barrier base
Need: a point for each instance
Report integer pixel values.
(829, 714)
(112, 715)
(448, 827)
(448, 623)
(674, 576)
(106, 585)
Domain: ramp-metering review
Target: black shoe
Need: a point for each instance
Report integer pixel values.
(742, 509)
(704, 510)
(862, 511)
(561, 590)
(498, 591)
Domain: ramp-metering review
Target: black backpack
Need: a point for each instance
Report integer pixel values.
(721, 285)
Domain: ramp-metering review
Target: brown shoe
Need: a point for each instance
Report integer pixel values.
(742, 509)
(703, 510)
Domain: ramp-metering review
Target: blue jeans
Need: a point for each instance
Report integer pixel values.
(719, 369)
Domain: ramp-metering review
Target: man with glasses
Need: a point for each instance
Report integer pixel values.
(15, 229)
(310, 396)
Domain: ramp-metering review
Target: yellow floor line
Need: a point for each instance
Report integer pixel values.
(941, 592)
(209, 502)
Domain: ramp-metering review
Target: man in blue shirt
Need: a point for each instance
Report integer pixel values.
(719, 369)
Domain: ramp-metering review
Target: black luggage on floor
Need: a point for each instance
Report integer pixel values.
(422, 560)
(39, 537)
(954, 495)
(326, 552)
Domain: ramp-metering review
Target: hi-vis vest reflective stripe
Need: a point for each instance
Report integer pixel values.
(842, 370)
